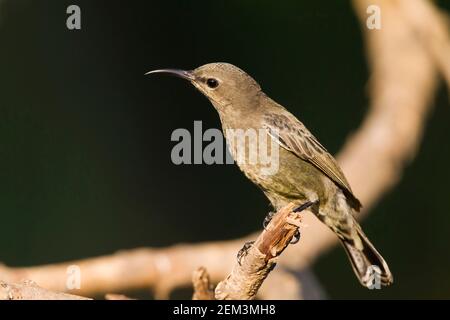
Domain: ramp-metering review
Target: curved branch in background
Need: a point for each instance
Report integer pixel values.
(405, 57)
(402, 86)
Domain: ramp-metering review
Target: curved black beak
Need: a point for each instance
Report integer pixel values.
(176, 72)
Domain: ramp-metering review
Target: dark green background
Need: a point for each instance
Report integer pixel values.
(85, 138)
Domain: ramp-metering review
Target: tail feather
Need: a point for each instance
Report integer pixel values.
(369, 266)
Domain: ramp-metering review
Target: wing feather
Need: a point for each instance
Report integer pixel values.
(292, 135)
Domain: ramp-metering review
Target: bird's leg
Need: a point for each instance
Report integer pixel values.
(267, 219)
(244, 251)
(297, 234)
(306, 205)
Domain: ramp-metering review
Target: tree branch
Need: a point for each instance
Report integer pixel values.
(29, 290)
(201, 282)
(248, 275)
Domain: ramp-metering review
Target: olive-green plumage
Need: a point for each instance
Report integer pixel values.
(306, 171)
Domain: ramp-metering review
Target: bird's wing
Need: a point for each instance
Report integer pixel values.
(292, 135)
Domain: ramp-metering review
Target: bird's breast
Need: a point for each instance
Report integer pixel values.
(282, 176)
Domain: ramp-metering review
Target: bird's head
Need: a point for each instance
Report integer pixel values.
(225, 85)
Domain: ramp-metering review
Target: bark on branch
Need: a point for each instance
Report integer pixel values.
(249, 273)
(29, 290)
(203, 290)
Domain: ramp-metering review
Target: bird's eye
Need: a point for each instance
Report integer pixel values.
(212, 83)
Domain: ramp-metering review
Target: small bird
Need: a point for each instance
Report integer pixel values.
(307, 173)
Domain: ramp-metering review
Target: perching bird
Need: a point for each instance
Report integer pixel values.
(306, 173)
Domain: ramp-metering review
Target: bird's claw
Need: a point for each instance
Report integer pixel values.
(244, 251)
(296, 237)
(306, 205)
(267, 219)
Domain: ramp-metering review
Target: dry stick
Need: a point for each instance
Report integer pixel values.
(249, 273)
(29, 290)
(201, 282)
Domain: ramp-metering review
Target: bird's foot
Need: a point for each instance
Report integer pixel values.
(267, 219)
(244, 251)
(296, 237)
(305, 206)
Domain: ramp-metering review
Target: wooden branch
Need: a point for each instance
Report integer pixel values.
(201, 282)
(259, 260)
(29, 290)
(159, 269)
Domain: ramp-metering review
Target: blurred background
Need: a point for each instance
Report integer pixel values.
(85, 146)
